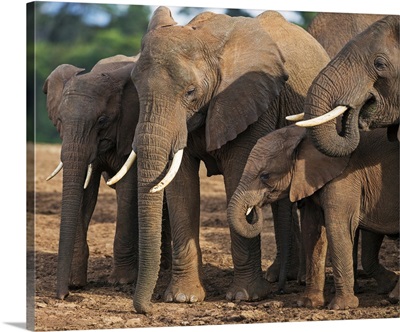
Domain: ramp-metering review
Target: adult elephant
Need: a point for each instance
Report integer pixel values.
(334, 30)
(212, 88)
(362, 81)
(341, 194)
(94, 114)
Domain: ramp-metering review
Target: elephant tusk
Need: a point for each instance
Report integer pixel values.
(249, 211)
(88, 176)
(176, 162)
(55, 172)
(323, 118)
(124, 169)
(295, 117)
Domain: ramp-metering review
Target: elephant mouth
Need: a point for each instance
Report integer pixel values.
(367, 112)
(252, 217)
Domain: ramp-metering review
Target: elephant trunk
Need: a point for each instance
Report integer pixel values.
(153, 142)
(243, 215)
(74, 174)
(324, 96)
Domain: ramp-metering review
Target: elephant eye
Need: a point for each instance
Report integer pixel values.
(190, 92)
(380, 63)
(102, 121)
(264, 177)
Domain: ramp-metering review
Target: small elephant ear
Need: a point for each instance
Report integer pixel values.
(120, 73)
(161, 18)
(54, 85)
(252, 75)
(129, 116)
(313, 170)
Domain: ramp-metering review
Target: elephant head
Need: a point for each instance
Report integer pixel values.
(93, 113)
(282, 164)
(218, 73)
(362, 81)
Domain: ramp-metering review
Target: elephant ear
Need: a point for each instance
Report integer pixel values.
(161, 18)
(252, 75)
(128, 108)
(313, 169)
(393, 133)
(54, 85)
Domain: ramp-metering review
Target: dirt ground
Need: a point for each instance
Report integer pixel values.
(103, 306)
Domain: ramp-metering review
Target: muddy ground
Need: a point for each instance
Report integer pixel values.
(103, 306)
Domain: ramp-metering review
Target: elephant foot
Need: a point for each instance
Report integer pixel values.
(272, 274)
(294, 272)
(78, 278)
(342, 302)
(386, 282)
(248, 291)
(311, 299)
(184, 291)
(394, 295)
(123, 275)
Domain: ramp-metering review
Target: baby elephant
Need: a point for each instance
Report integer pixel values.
(340, 195)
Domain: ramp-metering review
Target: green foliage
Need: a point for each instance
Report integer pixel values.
(61, 33)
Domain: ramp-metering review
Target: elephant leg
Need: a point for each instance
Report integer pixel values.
(272, 274)
(394, 295)
(125, 250)
(295, 260)
(183, 197)
(315, 248)
(248, 282)
(341, 224)
(355, 260)
(78, 277)
(285, 215)
(371, 244)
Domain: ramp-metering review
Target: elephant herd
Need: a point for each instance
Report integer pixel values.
(224, 91)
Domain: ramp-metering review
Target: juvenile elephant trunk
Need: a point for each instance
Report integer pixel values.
(244, 218)
(322, 97)
(74, 173)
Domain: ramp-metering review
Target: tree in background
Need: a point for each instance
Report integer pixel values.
(79, 34)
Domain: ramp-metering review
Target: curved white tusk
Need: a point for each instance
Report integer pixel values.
(295, 117)
(55, 172)
(176, 162)
(249, 211)
(323, 118)
(124, 169)
(88, 176)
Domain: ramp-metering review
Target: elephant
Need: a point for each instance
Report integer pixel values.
(334, 30)
(94, 113)
(208, 90)
(361, 82)
(341, 193)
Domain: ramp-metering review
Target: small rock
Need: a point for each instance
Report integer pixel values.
(230, 305)
(133, 322)
(273, 304)
(112, 320)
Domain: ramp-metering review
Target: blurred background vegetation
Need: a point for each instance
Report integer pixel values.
(81, 34)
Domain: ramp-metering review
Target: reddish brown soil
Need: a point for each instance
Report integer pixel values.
(103, 306)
